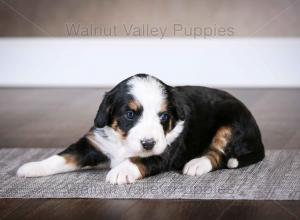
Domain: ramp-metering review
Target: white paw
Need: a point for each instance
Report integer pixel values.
(197, 167)
(125, 172)
(32, 169)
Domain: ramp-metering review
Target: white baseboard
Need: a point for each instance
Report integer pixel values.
(259, 62)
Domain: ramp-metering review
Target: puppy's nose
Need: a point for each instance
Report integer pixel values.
(148, 144)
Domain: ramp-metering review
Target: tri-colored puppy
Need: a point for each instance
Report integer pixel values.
(144, 127)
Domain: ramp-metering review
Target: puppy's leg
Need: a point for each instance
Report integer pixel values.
(213, 158)
(135, 168)
(76, 156)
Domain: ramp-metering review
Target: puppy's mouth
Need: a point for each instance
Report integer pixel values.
(141, 152)
(152, 152)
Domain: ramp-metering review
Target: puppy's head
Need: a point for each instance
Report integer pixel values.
(142, 114)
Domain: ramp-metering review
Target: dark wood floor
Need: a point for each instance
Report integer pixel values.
(57, 117)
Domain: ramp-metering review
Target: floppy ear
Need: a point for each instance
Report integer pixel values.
(104, 111)
(180, 107)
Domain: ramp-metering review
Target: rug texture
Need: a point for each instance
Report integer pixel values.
(277, 177)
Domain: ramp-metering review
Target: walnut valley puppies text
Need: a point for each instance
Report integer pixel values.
(147, 30)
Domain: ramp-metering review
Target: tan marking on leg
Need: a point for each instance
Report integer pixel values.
(139, 164)
(221, 138)
(70, 159)
(218, 145)
(215, 158)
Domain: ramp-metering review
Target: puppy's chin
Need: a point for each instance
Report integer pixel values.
(145, 154)
(137, 151)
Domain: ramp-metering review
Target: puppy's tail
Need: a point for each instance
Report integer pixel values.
(244, 160)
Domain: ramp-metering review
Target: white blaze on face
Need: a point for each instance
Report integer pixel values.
(150, 94)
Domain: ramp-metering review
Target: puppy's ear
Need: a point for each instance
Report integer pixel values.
(179, 105)
(104, 111)
(180, 110)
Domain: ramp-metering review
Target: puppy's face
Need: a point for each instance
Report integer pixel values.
(141, 114)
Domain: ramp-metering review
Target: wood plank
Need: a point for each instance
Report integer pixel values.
(7, 206)
(259, 210)
(150, 209)
(70, 209)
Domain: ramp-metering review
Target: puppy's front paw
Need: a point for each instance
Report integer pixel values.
(197, 167)
(125, 172)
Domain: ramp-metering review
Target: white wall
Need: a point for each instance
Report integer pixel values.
(261, 62)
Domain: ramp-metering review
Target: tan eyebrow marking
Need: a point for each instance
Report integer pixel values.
(134, 105)
(164, 106)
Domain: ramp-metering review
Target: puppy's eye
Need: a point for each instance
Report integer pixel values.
(130, 115)
(164, 117)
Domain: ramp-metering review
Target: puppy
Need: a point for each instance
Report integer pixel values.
(144, 127)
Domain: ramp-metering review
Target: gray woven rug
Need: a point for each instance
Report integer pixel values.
(275, 178)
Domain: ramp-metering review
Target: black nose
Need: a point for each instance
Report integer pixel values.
(148, 144)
